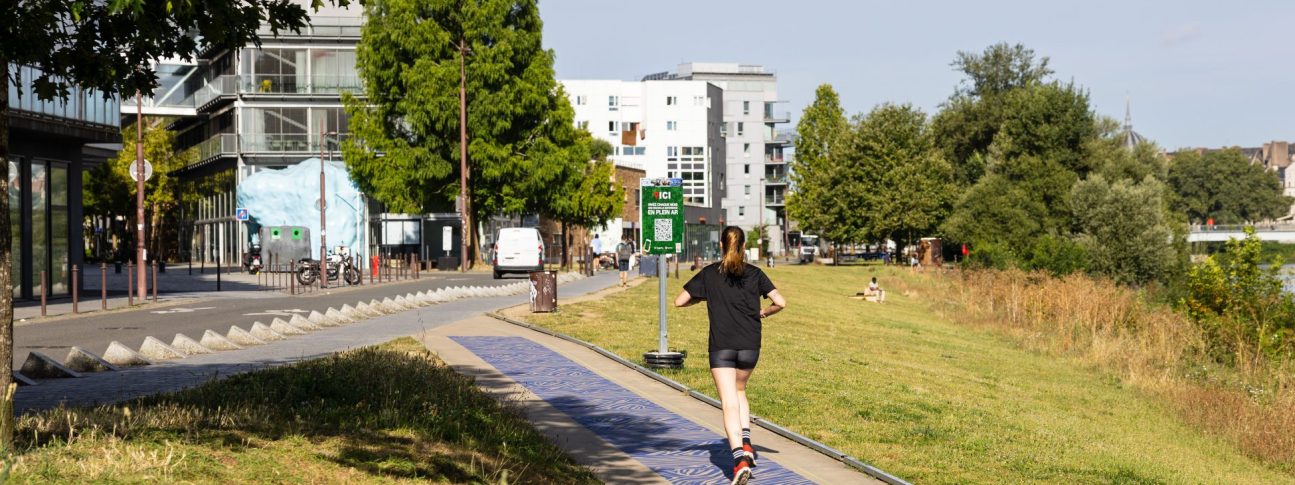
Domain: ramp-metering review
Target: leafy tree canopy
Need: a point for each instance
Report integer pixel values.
(1226, 186)
(814, 201)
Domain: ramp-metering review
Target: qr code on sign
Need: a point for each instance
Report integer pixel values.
(664, 229)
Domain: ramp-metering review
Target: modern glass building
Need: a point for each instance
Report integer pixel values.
(51, 143)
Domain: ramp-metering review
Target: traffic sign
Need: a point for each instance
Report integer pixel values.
(134, 171)
(241, 214)
(662, 215)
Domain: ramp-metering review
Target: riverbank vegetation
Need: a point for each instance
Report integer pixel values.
(983, 377)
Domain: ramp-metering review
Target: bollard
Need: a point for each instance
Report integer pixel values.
(292, 285)
(130, 284)
(75, 293)
(155, 281)
(418, 267)
(42, 293)
(372, 269)
(103, 286)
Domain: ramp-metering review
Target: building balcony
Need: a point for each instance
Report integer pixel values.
(771, 117)
(222, 145)
(287, 143)
(778, 139)
(218, 89)
(774, 159)
(775, 179)
(775, 200)
(322, 27)
(292, 84)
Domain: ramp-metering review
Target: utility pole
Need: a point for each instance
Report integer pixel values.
(141, 283)
(464, 205)
(323, 207)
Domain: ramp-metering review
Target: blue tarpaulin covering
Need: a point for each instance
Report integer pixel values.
(289, 197)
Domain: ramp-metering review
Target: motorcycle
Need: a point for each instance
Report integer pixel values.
(339, 264)
(253, 262)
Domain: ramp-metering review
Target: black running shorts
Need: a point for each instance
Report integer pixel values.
(739, 359)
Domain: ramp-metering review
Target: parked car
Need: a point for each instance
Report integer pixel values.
(518, 250)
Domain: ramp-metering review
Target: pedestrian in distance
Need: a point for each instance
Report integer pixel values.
(624, 251)
(732, 289)
(597, 246)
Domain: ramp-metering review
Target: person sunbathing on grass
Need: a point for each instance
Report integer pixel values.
(732, 290)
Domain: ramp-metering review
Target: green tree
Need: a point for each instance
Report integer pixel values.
(110, 190)
(1225, 186)
(589, 194)
(109, 46)
(971, 118)
(1239, 300)
(405, 149)
(814, 201)
(1124, 227)
(904, 185)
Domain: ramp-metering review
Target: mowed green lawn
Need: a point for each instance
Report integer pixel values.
(931, 401)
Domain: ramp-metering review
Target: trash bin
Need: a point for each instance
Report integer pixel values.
(447, 263)
(544, 291)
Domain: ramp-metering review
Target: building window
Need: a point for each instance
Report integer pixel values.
(581, 99)
(584, 125)
(741, 211)
(671, 125)
(613, 103)
(746, 149)
(746, 107)
(689, 164)
(746, 190)
(741, 127)
(698, 100)
(671, 100)
(746, 168)
(611, 127)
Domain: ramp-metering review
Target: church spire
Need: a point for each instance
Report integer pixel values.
(1128, 115)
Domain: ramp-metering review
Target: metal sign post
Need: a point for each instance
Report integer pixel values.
(662, 216)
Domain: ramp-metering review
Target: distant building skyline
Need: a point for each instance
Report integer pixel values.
(1195, 72)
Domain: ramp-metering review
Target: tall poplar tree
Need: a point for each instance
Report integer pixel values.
(405, 148)
(815, 201)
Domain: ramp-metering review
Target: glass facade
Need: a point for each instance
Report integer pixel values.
(82, 104)
(279, 129)
(318, 70)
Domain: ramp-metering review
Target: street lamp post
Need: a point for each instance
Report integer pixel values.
(141, 284)
(323, 207)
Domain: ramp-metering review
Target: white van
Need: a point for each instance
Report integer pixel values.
(518, 250)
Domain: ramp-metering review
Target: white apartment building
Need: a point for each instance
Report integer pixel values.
(668, 129)
(756, 159)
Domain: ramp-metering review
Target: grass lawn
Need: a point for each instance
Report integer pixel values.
(390, 414)
(931, 401)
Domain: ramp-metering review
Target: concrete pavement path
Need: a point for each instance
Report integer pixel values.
(625, 426)
(164, 376)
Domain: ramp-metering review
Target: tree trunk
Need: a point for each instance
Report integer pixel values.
(6, 276)
(566, 244)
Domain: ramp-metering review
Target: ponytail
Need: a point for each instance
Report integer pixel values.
(733, 245)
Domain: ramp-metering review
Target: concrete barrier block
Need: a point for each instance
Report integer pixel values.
(381, 306)
(215, 341)
(242, 337)
(337, 317)
(368, 309)
(265, 333)
(302, 323)
(22, 380)
(402, 302)
(189, 346)
(122, 356)
(285, 328)
(41, 366)
(390, 306)
(351, 312)
(82, 360)
(154, 349)
(322, 319)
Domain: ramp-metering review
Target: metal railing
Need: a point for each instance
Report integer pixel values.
(221, 86)
(780, 117)
(287, 142)
(775, 159)
(219, 145)
(776, 199)
(322, 26)
(298, 84)
(776, 178)
(1259, 227)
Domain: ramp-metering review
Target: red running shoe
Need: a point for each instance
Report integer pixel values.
(750, 453)
(742, 471)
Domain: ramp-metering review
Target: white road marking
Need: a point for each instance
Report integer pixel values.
(182, 310)
(278, 313)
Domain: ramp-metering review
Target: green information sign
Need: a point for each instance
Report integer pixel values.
(662, 219)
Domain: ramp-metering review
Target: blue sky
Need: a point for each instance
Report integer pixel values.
(1198, 73)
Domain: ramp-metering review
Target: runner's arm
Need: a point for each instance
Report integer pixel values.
(778, 304)
(685, 299)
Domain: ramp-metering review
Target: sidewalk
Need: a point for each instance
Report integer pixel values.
(625, 426)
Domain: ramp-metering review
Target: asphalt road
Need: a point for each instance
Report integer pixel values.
(218, 313)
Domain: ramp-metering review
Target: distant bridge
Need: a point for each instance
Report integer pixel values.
(1279, 232)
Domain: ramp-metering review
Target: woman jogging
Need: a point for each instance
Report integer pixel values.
(732, 290)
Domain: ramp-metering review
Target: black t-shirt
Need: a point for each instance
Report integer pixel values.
(733, 305)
